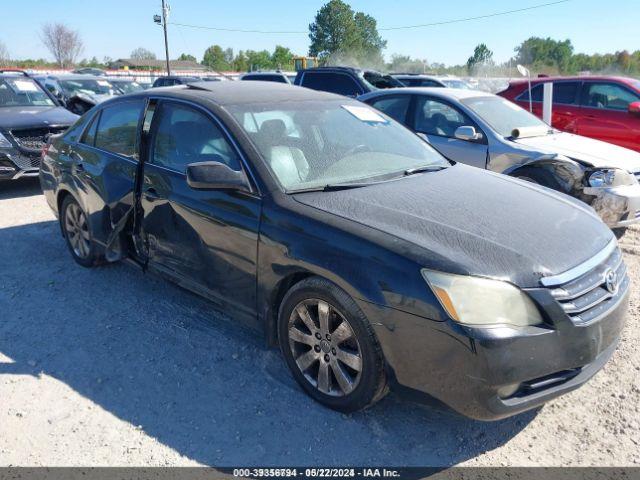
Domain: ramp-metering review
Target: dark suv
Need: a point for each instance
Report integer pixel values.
(28, 113)
(346, 81)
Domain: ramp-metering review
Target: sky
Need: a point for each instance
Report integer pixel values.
(115, 27)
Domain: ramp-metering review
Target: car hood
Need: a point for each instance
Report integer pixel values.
(19, 117)
(586, 150)
(471, 221)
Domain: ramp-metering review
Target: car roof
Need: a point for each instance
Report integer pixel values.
(77, 76)
(264, 73)
(238, 93)
(607, 78)
(443, 92)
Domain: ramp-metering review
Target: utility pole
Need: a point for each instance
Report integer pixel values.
(165, 14)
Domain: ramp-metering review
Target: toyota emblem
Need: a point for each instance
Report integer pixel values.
(611, 281)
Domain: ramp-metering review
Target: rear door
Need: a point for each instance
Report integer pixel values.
(438, 120)
(606, 116)
(566, 103)
(396, 106)
(104, 164)
(206, 240)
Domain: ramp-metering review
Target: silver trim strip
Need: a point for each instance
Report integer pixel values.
(581, 269)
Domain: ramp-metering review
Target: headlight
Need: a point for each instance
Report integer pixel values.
(611, 178)
(480, 301)
(4, 143)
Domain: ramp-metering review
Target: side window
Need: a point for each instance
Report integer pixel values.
(118, 126)
(394, 106)
(434, 117)
(536, 94)
(89, 136)
(182, 135)
(607, 95)
(565, 93)
(331, 82)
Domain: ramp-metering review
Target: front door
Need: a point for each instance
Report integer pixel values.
(438, 121)
(206, 239)
(606, 116)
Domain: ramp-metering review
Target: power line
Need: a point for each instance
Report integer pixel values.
(424, 25)
(480, 17)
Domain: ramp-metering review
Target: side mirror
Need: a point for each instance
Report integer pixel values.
(467, 134)
(634, 108)
(215, 176)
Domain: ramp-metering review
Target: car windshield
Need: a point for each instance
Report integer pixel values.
(87, 86)
(502, 115)
(379, 80)
(22, 92)
(313, 144)
(127, 87)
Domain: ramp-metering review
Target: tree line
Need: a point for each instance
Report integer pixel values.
(339, 35)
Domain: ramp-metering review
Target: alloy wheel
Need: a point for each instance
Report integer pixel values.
(325, 347)
(77, 230)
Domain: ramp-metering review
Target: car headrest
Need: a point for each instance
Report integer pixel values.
(273, 130)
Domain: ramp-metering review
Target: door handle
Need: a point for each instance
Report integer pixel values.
(151, 194)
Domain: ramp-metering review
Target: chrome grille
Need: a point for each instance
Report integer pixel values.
(26, 162)
(34, 138)
(587, 297)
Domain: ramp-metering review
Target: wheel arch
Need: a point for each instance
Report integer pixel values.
(569, 173)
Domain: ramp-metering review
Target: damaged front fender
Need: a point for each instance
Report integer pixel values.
(568, 172)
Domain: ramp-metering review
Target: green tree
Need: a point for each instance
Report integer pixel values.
(240, 63)
(337, 29)
(185, 57)
(259, 60)
(142, 54)
(406, 64)
(214, 58)
(282, 58)
(481, 56)
(540, 52)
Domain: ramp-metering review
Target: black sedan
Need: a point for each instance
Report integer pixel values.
(341, 236)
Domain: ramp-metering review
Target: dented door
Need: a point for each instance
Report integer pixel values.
(205, 239)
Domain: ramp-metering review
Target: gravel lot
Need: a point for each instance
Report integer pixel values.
(114, 367)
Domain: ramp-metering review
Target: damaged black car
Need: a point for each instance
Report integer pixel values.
(27, 115)
(346, 240)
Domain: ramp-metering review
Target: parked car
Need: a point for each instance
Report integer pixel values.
(174, 80)
(418, 80)
(602, 107)
(455, 82)
(79, 92)
(346, 81)
(124, 85)
(98, 72)
(278, 77)
(28, 113)
(487, 131)
(341, 236)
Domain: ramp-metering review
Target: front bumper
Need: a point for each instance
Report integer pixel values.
(488, 373)
(617, 206)
(15, 164)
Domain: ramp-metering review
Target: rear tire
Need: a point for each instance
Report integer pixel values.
(538, 176)
(77, 233)
(330, 347)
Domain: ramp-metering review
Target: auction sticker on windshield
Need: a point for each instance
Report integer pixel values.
(24, 86)
(103, 83)
(364, 114)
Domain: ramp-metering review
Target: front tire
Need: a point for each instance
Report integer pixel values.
(330, 347)
(77, 233)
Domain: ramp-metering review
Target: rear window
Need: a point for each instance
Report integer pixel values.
(331, 82)
(118, 126)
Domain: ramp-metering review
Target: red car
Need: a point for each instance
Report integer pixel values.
(604, 108)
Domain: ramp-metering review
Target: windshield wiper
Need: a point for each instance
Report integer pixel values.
(331, 187)
(424, 168)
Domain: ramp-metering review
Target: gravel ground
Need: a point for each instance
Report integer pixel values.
(113, 367)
